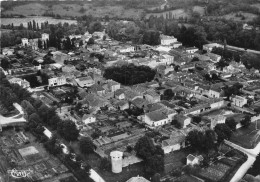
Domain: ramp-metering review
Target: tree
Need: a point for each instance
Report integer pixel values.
(153, 155)
(202, 142)
(44, 45)
(223, 132)
(86, 145)
(231, 123)
(105, 164)
(246, 121)
(34, 118)
(95, 27)
(52, 146)
(40, 43)
(196, 119)
(176, 123)
(195, 59)
(156, 177)
(68, 130)
(91, 41)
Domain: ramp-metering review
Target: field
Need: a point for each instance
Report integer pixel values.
(246, 137)
(248, 17)
(175, 13)
(38, 19)
(257, 5)
(74, 10)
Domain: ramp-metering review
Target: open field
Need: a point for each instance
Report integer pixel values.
(175, 13)
(38, 19)
(74, 10)
(248, 16)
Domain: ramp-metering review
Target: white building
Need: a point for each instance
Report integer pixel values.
(57, 81)
(238, 101)
(155, 119)
(22, 82)
(209, 47)
(127, 49)
(167, 40)
(167, 59)
(117, 161)
(192, 160)
(7, 52)
(25, 42)
(191, 50)
(88, 118)
(45, 36)
(176, 45)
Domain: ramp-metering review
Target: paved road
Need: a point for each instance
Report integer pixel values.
(251, 154)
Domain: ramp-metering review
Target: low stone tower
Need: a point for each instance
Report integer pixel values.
(117, 161)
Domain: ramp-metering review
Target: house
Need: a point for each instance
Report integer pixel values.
(98, 89)
(216, 119)
(152, 97)
(247, 27)
(88, 118)
(166, 59)
(209, 47)
(127, 49)
(119, 94)
(238, 100)
(121, 105)
(139, 103)
(25, 42)
(213, 57)
(113, 85)
(22, 82)
(85, 81)
(191, 50)
(184, 121)
(68, 68)
(175, 142)
(131, 95)
(215, 92)
(176, 45)
(34, 44)
(137, 179)
(167, 40)
(194, 160)
(7, 52)
(60, 57)
(57, 81)
(156, 118)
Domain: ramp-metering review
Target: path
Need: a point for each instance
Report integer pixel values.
(251, 154)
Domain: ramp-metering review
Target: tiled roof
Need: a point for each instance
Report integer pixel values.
(156, 116)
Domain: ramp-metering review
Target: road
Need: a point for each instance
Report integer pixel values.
(251, 154)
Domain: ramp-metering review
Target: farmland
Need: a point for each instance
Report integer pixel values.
(73, 10)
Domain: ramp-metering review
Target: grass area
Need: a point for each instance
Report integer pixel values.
(74, 9)
(175, 13)
(248, 17)
(175, 160)
(246, 137)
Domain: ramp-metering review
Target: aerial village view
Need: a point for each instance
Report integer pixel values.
(130, 91)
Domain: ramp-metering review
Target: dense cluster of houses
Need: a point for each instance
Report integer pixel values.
(191, 95)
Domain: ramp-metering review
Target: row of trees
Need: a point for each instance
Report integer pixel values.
(130, 74)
